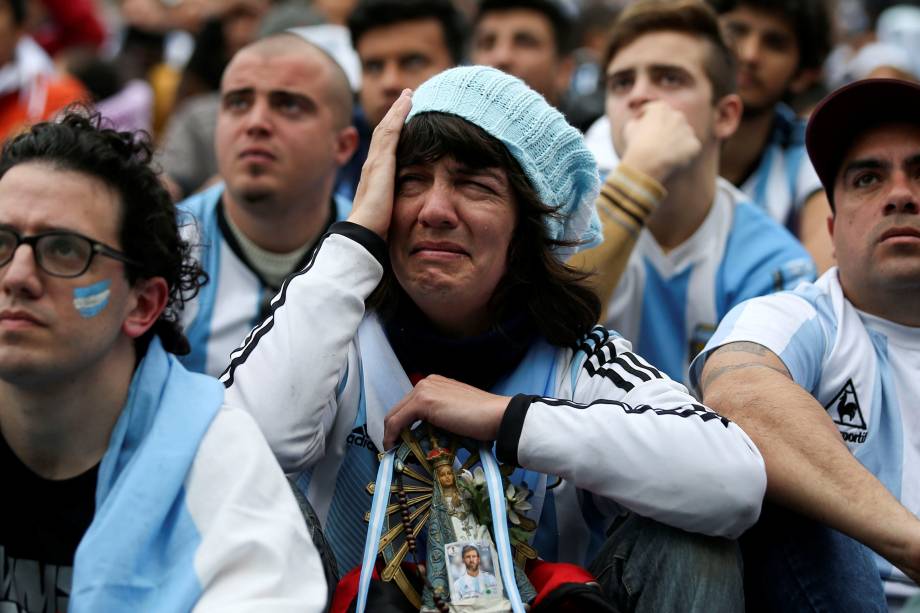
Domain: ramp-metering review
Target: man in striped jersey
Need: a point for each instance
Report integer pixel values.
(682, 246)
(283, 131)
(780, 46)
(826, 378)
(445, 298)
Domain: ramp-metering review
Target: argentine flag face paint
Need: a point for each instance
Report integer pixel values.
(90, 300)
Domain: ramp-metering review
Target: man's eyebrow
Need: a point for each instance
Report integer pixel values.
(307, 99)
(864, 164)
(42, 227)
(651, 68)
(611, 73)
(677, 67)
(236, 92)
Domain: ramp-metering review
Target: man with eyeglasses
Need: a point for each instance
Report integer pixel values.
(127, 486)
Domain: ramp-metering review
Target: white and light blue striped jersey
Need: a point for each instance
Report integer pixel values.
(782, 182)
(236, 297)
(785, 178)
(669, 304)
(864, 370)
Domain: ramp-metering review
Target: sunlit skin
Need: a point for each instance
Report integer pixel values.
(876, 225)
(399, 56)
(449, 237)
(521, 42)
(767, 51)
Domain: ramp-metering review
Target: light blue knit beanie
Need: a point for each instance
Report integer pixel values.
(550, 151)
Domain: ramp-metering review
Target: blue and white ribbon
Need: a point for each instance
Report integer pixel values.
(378, 514)
(500, 526)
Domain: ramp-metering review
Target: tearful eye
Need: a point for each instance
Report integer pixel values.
(477, 186)
(407, 183)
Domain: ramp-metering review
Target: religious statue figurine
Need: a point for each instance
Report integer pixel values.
(462, 562)
(460, 569)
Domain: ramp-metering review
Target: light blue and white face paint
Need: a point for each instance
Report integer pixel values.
(90, 300)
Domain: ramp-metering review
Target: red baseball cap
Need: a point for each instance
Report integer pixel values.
(848, 112)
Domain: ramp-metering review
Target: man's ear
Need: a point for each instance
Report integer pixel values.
(149, 299)
(727, 116)
(830, 230)
(346, 143)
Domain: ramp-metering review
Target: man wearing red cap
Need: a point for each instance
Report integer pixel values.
(825, 378)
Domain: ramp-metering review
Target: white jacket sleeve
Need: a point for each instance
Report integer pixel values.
(255, 553)
(634, 436)
(289, 369)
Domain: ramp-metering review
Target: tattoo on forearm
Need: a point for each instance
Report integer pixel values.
(715, 373)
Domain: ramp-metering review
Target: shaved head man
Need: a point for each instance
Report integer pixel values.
(283, 131)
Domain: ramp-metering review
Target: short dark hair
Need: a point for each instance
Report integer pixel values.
(554, 295)
(560, 17)
(809, 19)
(18, 8)
(692, 17)
(469, 548)
(149, 233)
(371, 14)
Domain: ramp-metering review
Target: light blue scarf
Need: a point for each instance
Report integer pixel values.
(138, 553)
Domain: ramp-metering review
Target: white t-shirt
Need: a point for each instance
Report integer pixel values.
(863, 369)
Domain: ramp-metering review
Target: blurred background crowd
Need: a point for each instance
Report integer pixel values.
(156, 64)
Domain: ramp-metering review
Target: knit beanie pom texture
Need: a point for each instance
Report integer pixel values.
(550, 151)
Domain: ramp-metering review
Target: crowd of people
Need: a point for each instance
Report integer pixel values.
(290, 289)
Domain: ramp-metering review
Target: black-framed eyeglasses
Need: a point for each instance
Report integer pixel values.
(59, 253)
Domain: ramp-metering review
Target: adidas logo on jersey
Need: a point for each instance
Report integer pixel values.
(360, 438)
(845, 411)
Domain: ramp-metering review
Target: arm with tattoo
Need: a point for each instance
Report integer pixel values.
(809, 469)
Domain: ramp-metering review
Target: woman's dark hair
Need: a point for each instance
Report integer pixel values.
(149, 234)
(537, 283)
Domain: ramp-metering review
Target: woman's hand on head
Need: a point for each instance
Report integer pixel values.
(373, 204)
